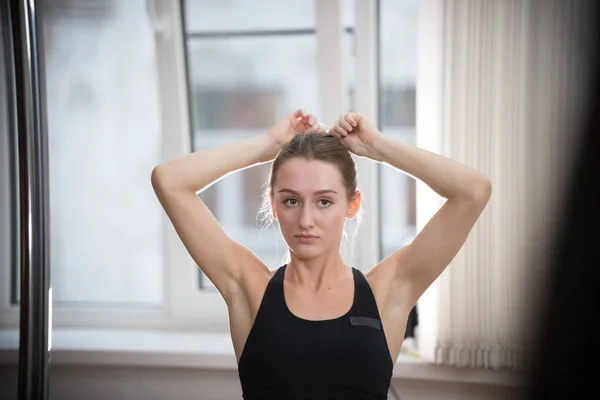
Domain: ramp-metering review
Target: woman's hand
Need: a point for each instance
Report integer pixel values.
(297, 123)
(357, 134)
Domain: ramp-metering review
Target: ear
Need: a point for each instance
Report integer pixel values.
(273, 212)
(354, 206)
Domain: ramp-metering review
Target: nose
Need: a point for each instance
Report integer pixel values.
(306, 218)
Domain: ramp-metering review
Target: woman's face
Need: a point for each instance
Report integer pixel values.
(311, 206)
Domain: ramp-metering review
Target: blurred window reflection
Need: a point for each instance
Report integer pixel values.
(104, 138)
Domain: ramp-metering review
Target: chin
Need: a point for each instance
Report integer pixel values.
(305, 253)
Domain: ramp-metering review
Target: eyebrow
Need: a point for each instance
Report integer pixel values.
(297, 194)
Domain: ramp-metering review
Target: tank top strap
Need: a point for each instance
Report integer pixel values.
(365, 305)
(277, 281)
(273, 302)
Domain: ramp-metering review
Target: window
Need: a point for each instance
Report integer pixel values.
(246, 69)
(398, 72)
(103, 139)
(241, 70)
(270, 84)
(397, 117)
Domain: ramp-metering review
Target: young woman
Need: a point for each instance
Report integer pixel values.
(317, 328)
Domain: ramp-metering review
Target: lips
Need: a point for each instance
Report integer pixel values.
(306, 239)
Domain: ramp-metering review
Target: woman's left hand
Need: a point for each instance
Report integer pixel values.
(356, 133)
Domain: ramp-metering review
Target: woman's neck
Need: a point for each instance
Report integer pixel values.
(318, 273)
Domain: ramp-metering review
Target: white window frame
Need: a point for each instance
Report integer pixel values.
(366, 103)
(185, 305)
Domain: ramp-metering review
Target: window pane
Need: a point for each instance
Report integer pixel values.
(348, 13)
(398, 71)
(238, 89)
(248, 15)
(104, 139)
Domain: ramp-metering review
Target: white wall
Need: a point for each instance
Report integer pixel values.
(123, 383)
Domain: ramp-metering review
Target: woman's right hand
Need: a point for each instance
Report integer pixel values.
(297, 123)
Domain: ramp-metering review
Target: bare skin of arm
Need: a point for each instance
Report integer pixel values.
(467, 192)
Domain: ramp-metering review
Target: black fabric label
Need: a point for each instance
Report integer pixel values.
(366, 321)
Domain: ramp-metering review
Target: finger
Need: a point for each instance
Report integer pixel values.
(350, 119)
(312, 120)
(344, 124)
(317, 127)
(333, 131)
(300, 113)
(341, 131)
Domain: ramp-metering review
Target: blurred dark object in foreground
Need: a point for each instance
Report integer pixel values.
(567, 346)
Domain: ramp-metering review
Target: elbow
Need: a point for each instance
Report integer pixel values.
(157, 177)
(482, 190)
(167, 178)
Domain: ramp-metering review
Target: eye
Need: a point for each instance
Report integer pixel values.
(290, 202)
(326, 204)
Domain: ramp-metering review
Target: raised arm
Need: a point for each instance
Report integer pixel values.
(467, 191)
(176, 184)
